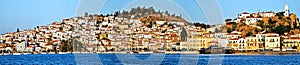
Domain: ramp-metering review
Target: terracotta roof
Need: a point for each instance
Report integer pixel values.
(234, 39)
(245, 13)
(272, 36)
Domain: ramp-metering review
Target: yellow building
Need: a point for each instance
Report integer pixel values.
(205, 41)
(260, 41)
(252, 43)
(197, 43)
(103, 35)
(290, 43)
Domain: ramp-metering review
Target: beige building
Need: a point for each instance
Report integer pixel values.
(191, 44)
(272, 41)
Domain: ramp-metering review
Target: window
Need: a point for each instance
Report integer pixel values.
(272, 40)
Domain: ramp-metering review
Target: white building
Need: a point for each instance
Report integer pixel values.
(267, 14)
(272, 41)
(20, 47)
(220, 35)
(243, 15)
(252, 20)
(234, 34)
(237, 43)
(160, 22)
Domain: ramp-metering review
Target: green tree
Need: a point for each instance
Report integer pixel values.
(18, 30)
(281, 29)
(234, 27)
(229, 30)
(279, 14)
(64, 46)
(217, 30)
(249, 33)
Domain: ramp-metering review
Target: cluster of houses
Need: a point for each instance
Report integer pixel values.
(201, 38)
(96, 33)
(262, 40)
(252, 18)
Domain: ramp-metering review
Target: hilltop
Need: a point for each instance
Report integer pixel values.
(141, 12)
(278, 23)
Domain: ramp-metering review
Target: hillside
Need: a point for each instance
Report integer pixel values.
(140, 12)
(278, 24)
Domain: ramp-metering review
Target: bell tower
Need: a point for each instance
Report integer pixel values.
(286, 10)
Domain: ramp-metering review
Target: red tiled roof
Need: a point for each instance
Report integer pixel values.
(234, 39)
(245, 13)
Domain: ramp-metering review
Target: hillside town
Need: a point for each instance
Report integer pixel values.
(152, 31)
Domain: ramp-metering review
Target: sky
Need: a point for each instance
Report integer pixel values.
(26, 14)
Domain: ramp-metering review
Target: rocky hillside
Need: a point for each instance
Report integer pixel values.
(278, 24)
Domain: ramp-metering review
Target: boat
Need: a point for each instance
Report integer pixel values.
(229, 51)
(216, 50)
(159, 51)
(135, 52)
(16, 53)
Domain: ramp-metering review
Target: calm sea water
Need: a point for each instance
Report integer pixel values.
(170, 59)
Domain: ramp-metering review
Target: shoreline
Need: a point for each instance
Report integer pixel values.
(189, 52)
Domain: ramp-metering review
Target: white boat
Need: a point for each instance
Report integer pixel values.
(8, 54)
(61, 53)
(16, 53)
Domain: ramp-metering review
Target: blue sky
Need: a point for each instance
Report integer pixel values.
(26, 14)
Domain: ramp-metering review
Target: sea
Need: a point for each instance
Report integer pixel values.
(149, 59)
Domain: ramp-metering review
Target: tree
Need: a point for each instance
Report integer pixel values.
(202, 25)
(228, 20)
(217, 30)
(234, 27)
(86, 14)
(281, 43)
(281, 29)
(61, 28)
(229, 30)
(70, 46)
(18, 30)
(249, 33)
(279, 14)
(62, 23)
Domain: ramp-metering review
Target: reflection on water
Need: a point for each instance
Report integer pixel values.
(67, 59)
